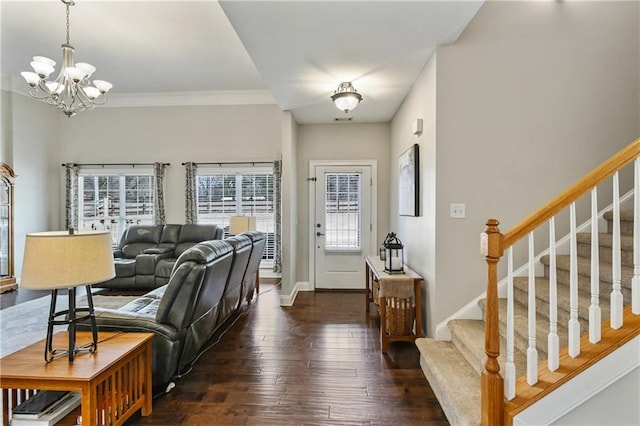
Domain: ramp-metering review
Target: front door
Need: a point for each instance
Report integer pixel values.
(342, 226)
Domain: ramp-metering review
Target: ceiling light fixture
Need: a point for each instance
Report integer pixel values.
(71, 90)
(346, 97)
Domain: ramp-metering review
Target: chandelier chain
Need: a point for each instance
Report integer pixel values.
(68, 42)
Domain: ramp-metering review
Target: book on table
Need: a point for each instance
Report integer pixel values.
(51, 410)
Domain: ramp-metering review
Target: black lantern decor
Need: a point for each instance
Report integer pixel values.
(394, 254)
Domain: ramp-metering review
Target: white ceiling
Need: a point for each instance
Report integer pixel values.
(293, 53)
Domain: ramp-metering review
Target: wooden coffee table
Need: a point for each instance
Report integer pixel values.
(114, 382)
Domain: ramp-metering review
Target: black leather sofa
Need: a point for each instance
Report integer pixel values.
(146, 254)
(203, 292)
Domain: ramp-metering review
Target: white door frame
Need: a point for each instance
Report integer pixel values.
(373, 243)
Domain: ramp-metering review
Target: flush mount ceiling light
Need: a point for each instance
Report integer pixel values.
(346, 97)
(71, 90)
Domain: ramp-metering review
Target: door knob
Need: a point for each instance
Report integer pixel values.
(319, 234)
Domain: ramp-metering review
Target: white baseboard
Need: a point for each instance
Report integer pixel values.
(305, 286)
(289, 299)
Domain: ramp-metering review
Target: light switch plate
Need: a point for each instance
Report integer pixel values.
(457, 210)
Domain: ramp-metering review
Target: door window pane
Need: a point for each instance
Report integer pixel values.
(343, 211)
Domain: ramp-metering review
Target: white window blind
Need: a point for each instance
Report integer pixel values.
(113, 201)
(223, 192)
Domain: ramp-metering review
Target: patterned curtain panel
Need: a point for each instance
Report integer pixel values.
(71, 202)
(191, 209)
(277, 189)
(158, 199)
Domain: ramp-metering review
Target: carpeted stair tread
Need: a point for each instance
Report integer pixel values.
(454, 381)
(584, 271)
(468, 336)
(626, 221)
(521, 292)
(521, 336)
(606, 240)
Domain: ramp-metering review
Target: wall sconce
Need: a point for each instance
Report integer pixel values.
(417, 127)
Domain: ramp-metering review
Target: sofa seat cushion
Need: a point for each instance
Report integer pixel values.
(125, 267)
(164, 267)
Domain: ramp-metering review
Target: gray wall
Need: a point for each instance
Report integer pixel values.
(531, 97)
(173, 135)
(30, 144)
(350, 141)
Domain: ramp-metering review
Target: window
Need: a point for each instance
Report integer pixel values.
(343, 211)
(114, 201)
(238, 192)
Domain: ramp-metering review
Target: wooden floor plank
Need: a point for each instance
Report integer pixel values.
(315, 363)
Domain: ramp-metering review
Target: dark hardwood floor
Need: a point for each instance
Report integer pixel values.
(315, 363)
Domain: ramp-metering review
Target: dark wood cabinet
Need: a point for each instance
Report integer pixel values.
(7, 274)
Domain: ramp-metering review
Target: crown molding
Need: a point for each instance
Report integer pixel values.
(115, 100)
(221, 97)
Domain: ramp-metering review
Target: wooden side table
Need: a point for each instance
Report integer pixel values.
(400, 311)
(114, 382)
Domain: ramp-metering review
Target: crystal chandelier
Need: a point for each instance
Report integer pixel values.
(71, 90)
(346, 97)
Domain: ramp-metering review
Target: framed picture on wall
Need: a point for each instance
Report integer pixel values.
(409, 183)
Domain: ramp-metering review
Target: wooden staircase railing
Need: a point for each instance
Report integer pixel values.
(494, 244)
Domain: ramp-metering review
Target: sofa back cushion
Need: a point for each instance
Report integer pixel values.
(196, 284)
(170, 236)
(195, 233)
(242, 246)
(259, 240)
(138, 238)
(193, 297)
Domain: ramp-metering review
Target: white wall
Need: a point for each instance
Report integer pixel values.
(418, 233)
(531, 97)
(340, 141)
(172, 135)
(30, 138)
(290, 178)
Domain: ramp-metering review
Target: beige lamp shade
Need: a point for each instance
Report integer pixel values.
(240, 224)
(61, 260)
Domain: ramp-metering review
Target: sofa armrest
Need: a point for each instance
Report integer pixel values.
(117, 254)
(126, 321)
(146, 263)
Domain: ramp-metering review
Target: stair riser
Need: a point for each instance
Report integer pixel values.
(475, 359)
(626, 255)
(521, 338)
(626, 227)
(563, 313)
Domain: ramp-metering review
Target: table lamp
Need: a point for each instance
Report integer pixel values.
(240, 224)
(67, 259)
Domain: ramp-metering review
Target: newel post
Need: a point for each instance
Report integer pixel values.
(492, 383)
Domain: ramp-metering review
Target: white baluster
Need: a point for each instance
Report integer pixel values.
(510, 367)
(595, 318)
(553, 342)
(616, 294)
(574, 324)
(635, 282)
(532, 351)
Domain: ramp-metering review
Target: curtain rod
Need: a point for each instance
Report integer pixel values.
(113, 164)
(253, 163)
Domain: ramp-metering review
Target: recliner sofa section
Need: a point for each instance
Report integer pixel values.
(205, 290)
(146, 254)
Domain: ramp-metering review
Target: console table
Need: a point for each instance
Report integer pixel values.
(398, 300)
(114, 382)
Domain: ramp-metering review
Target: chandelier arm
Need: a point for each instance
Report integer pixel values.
(66, 91)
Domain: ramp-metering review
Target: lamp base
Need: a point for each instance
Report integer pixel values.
(71, 318)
